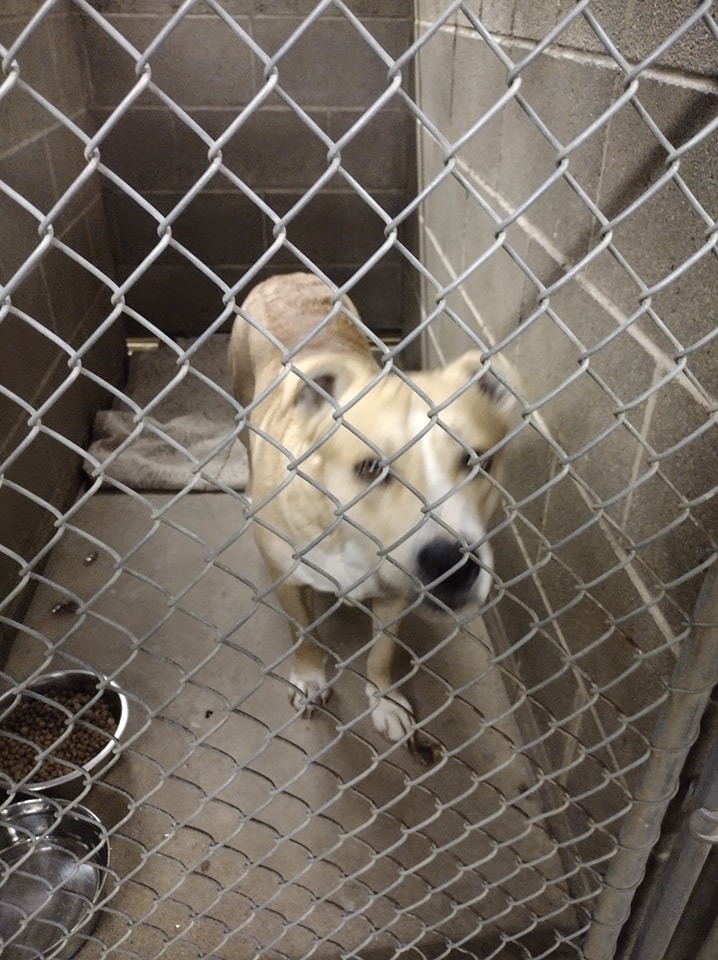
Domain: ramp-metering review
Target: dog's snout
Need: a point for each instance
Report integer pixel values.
(448, 571)
(446, 560)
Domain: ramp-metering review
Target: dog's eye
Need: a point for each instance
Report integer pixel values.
(477, 458)
(368, 470)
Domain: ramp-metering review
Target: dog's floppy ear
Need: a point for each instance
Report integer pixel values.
(470, 366)
(313, 393)
(323, 378)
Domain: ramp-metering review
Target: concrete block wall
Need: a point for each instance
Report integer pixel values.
(608, 526)
(211, 74)
(40, 159)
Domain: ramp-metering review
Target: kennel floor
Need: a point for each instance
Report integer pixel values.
(239, 828)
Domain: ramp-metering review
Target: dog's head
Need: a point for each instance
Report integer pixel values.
(399, 476)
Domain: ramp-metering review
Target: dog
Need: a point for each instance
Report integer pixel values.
(366, 483)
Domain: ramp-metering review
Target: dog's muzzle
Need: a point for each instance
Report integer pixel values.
(451, 574)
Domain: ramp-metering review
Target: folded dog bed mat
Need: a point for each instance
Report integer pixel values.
(183, 432)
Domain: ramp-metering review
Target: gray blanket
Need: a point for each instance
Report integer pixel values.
(183, 434)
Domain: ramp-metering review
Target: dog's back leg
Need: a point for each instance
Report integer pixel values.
(308, 676)
(391, 714)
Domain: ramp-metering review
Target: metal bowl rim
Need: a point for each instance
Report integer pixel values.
(61, 809)
(98, 854)
(45, 786)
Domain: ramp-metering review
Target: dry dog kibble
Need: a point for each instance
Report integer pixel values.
(73, 732)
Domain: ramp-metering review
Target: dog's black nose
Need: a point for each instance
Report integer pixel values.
(448, 571)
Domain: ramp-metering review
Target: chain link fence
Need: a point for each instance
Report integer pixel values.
(532, 181)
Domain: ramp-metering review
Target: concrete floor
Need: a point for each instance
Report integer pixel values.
(239, 829)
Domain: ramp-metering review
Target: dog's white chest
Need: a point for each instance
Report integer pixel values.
(347, 568)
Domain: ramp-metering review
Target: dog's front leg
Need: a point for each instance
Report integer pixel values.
(308, 676)
(391, 712)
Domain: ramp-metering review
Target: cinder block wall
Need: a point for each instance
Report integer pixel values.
(40, 159)
(211, 74)
(601, 535)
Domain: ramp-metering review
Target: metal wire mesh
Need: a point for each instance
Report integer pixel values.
(564, 713)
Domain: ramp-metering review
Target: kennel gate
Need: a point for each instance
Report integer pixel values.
(536, 180)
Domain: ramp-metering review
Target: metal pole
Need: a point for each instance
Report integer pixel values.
(698, 833)
(694, 676)
(709, 950)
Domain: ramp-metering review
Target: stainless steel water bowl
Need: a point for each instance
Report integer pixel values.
(53, 864)
(82, 752)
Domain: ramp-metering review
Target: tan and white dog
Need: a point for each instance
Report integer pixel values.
(367, 484)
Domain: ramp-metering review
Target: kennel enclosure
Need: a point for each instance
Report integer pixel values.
(535, 180)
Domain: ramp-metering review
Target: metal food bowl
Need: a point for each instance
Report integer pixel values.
(53, 863)
(38, 695)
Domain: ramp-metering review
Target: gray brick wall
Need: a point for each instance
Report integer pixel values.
(589, 487)
(212, 74)
(40, 159)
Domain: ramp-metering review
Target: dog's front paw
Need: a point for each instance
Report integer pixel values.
(308, 689)
(391, 713)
